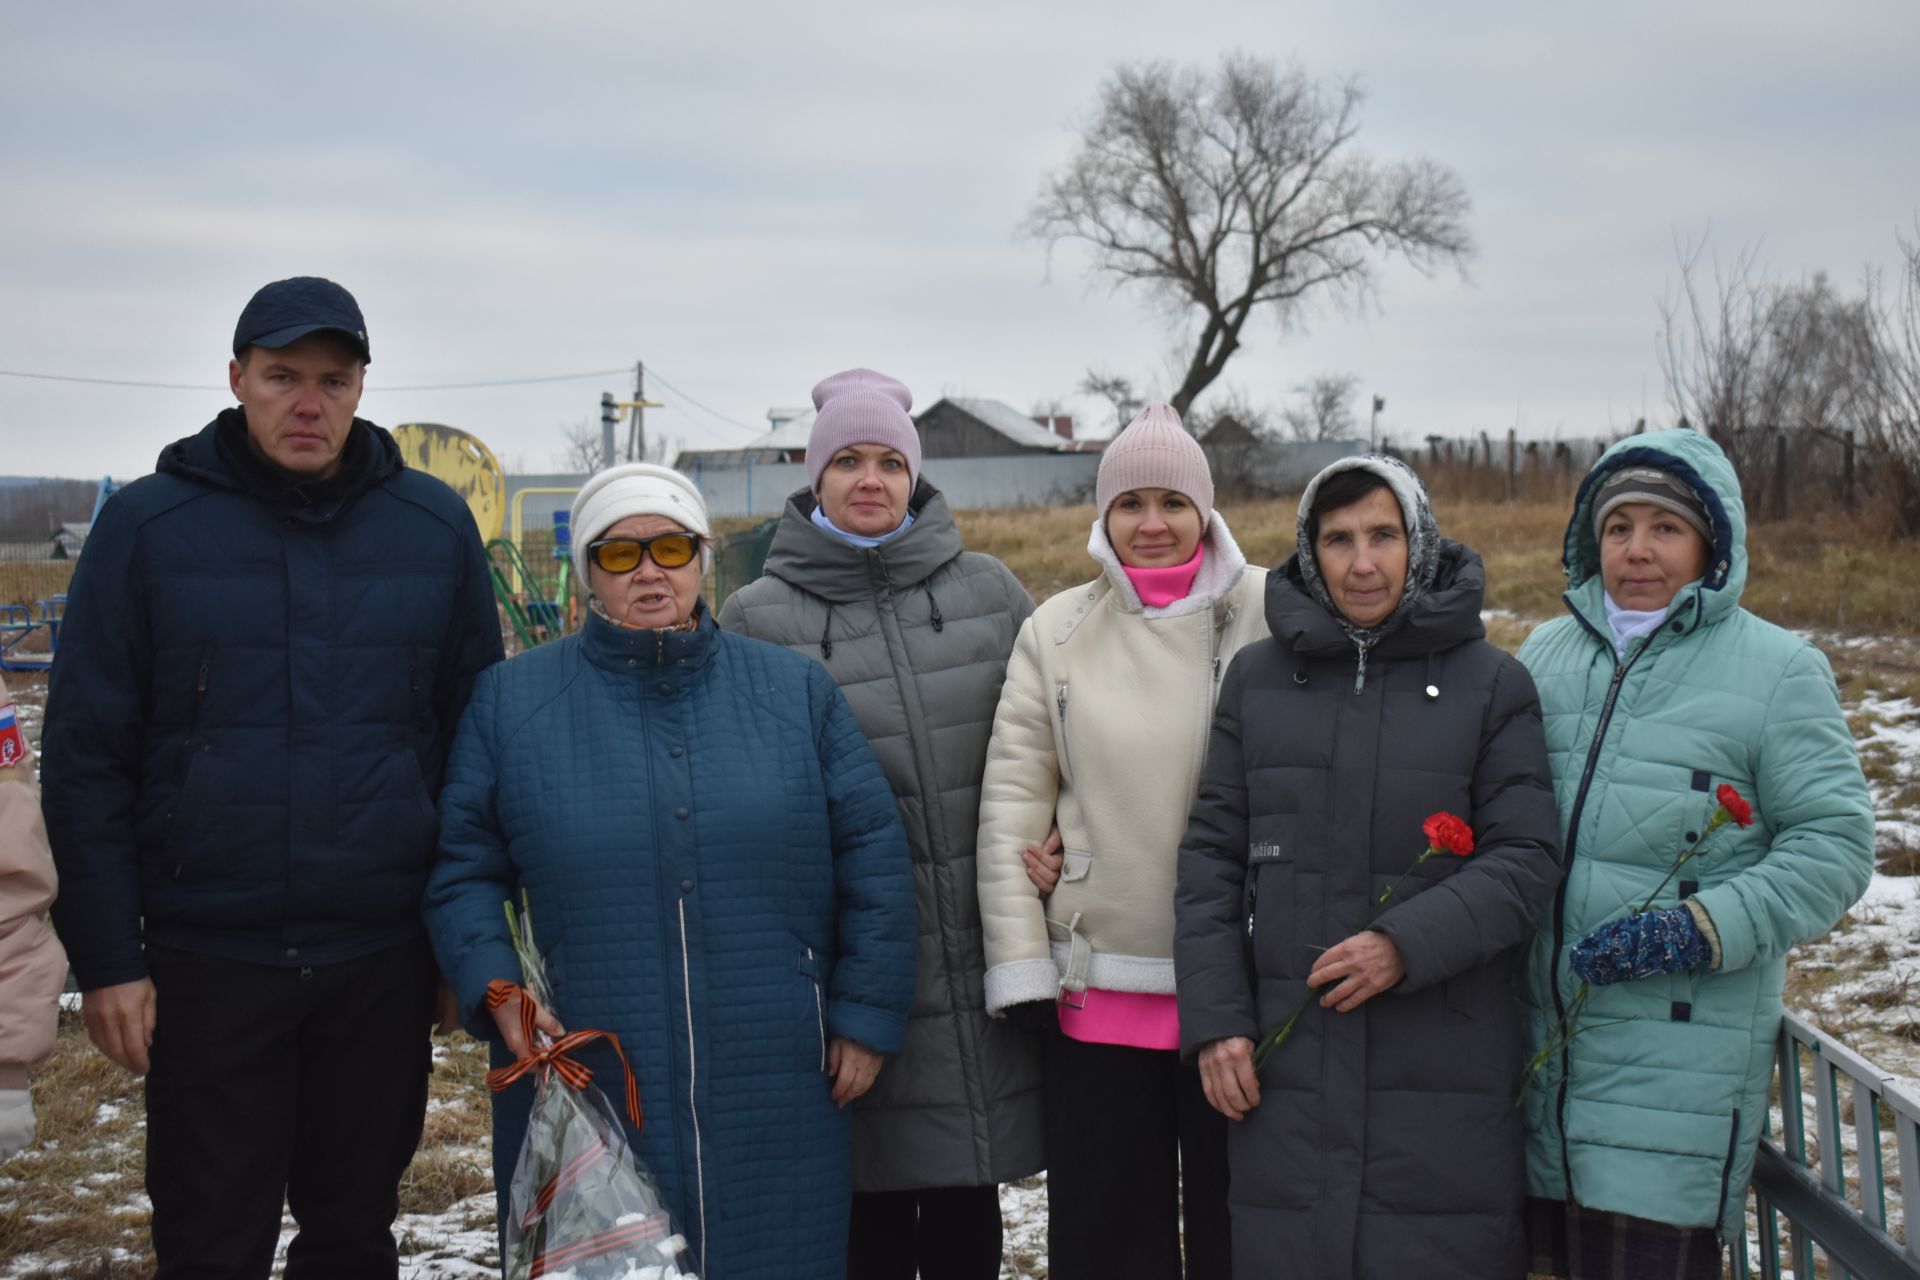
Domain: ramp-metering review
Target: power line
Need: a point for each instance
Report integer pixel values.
(435, 386)
(509, 382)
(108, 382)
(721, 418)
(654, 373)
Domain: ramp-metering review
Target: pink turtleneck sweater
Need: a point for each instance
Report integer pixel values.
(1138, 1019)
(1159, 588)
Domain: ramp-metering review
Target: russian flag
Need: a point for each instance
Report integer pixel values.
(13, 748)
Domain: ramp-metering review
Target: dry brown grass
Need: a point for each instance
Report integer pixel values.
(28, 581)
(1834, 574)
(67, 1198)
(455, 1157)
(76, 1201)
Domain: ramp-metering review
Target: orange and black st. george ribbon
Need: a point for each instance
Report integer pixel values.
(556, 1057)
(648, 1228)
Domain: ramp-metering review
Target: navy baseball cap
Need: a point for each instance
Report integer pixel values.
(288, 310)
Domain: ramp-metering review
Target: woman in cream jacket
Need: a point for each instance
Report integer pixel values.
(33, 967)
(1102, 727)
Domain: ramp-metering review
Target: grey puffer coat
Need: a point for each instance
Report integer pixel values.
(1386, 1143)
(917, 631)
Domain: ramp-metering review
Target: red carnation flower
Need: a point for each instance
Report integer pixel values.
(1735, 804)
(1448, 834)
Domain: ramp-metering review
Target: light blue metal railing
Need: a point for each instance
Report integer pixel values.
(1828, 1205)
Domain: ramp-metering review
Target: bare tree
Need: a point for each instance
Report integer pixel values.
(1323, 410)
(1116, 391)
(1233, 405)
(579, 452)
(1743, 355)
(1241, 191)
(1894, 425)
(34, 510)
(1711, 341)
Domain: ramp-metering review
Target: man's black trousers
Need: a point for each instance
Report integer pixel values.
(273, 1083)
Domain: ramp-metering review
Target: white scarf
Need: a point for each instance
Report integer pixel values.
(1629, 625)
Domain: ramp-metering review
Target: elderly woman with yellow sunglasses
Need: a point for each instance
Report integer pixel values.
(717, 874)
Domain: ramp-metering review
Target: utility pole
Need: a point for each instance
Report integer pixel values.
(1373, 425)
(609, 415)
(637, 425)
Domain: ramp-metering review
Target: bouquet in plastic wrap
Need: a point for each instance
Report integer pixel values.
(582, 1206)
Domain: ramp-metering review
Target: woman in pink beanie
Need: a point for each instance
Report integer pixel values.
(867, 574)
(1102, 727)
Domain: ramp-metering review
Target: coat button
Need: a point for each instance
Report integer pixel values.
(677, 752)
(681, 812)
(293, 953)
(686, 886)
(1433, 691)
(633, 662)
(666, 688)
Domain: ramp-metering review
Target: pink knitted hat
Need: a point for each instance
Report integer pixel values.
(1155, 452)
(860, 406)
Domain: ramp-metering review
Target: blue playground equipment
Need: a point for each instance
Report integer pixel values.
(108, 487)
(18, 622)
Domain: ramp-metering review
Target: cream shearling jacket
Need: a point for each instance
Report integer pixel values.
(33, 967)
(1102, 726)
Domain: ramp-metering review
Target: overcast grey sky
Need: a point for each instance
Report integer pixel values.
(752, 196)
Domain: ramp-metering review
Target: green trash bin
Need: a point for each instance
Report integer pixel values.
(740, 558)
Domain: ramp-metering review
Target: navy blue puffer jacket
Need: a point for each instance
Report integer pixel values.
(254, 693)
(717, 874)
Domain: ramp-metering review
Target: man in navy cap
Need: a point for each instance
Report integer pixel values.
(266, 649)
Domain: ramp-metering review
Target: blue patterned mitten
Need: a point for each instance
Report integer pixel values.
(1642, 945)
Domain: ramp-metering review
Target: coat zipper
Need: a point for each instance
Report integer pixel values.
(193, 729)
(1060, 702)
(819, 1010)
(1726, 1169)
(1217, 624)
(693, 1081)
(1360, 670)
(1219, 634)
(1560, 895)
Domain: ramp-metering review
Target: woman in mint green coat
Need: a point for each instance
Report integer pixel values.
(1657, 689)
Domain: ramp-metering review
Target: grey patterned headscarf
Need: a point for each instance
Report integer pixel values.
(1423, 541)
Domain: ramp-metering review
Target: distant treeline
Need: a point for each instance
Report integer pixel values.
(34, 509)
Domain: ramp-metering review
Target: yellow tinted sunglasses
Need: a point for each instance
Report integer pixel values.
(623, 555)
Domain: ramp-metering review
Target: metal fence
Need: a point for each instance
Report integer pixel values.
(740, 558)
(1821, 1201)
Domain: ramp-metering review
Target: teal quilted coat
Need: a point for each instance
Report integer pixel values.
(1655, 1108)
(718, 876)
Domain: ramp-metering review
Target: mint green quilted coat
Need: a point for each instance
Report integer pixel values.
(1655, 1109)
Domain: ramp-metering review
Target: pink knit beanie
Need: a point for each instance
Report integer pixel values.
(1155, 452)
(860, 406)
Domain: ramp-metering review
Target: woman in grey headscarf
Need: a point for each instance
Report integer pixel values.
(1379, 1139)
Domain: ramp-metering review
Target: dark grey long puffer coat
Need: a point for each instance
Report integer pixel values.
(917, 631)
(1386, 1143)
